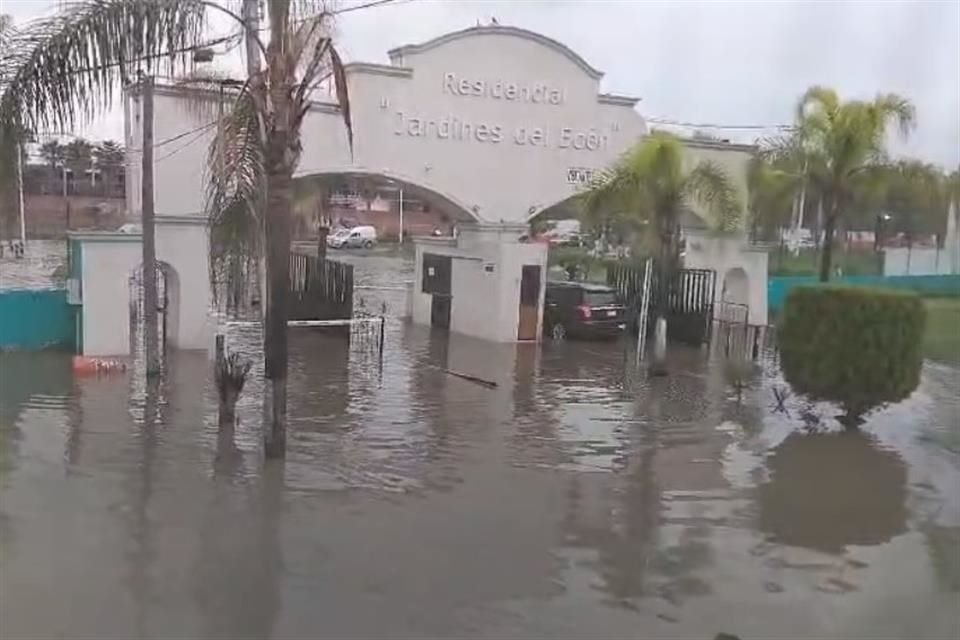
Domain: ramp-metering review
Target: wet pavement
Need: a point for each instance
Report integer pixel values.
(578, 498)
(42, 265)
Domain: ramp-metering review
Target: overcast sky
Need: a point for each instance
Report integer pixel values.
(705, 62)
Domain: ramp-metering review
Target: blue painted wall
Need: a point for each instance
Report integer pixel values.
(947, 285)
(36, 319)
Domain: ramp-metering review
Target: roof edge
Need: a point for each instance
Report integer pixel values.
(397, 54)
(379, 69)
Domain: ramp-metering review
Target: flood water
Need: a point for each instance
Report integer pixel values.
(579, 498)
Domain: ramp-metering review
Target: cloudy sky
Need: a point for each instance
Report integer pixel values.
(727, 63)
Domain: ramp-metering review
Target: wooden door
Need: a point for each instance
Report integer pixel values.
(529, 302)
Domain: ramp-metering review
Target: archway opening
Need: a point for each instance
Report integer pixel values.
(388, 203)
(168, 307)
(735, 296)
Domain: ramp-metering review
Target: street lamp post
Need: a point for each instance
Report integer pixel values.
(401, 214)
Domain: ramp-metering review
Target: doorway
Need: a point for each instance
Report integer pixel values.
(437, 270)
(529, 302)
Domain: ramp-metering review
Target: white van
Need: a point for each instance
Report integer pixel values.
(365, 236)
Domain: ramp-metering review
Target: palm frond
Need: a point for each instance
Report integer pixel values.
(66, 67)
(235, 193)
(709, 186)
(892, 107)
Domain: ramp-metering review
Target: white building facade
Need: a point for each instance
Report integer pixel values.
(497, 123)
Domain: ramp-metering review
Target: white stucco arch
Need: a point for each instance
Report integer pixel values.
(168, 292)
(741, 272)
(736, 286)
(496, 119)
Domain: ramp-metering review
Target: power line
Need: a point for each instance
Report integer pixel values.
(367, 5)
(201, 128)
(199, 134)
(705, 125)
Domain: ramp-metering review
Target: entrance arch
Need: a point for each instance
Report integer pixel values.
(168, 311)
(736, 286)
(735, 296)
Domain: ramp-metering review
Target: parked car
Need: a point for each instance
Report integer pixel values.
(582, 310)
(364, 236)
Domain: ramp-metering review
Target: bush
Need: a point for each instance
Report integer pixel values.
(860, 348)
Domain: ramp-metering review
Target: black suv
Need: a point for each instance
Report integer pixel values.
(582, 309)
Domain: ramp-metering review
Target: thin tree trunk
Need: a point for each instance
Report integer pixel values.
(150, 297)
(826, 257)
(665, 268)
(279, 197)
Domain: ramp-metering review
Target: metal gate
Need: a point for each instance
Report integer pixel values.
(320, 289)
(689, 298)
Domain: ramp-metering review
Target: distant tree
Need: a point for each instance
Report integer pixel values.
(916, 195)
(839, 142)
(772, 188)
(78, 158)
(109, 159)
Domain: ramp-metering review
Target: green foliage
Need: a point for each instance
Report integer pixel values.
(942, 339)
(772, 186)
(837, 143)
(575, 261)
(852, 262)
(651, 184)
(860, 348)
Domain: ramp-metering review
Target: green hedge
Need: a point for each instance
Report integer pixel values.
(858, 347)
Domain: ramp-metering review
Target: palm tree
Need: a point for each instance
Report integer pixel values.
(771, 188)
(109, 160)
(78, 159)
(840, 142)
(63, 69)
(651, 182)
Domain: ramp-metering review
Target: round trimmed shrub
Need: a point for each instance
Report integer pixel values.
(857, 347)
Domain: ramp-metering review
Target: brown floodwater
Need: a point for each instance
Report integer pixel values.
(577, 499)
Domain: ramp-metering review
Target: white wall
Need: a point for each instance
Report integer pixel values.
(722, 253)
(501, 176)
(109, 259)
(183, 244)
(107, 266)
(920, 262)
(485, 304)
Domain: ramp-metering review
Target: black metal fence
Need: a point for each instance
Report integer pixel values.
(689, 299)
(320, 289)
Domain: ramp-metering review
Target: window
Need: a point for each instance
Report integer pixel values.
(599, 298)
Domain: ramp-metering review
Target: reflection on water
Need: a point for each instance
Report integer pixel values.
(829, 491)
(576, 499)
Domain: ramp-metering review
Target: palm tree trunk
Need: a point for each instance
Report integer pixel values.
(665, 272)
(279, 197)
(826, 257)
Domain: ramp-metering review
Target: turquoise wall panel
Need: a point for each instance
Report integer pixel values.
(942, 285)
(36, 319)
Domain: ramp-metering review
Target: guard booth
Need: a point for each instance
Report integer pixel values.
(488, 282)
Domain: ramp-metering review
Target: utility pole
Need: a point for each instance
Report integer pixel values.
(251, 20)
(150, 297)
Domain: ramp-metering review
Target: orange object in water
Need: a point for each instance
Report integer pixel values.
(84, 366)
